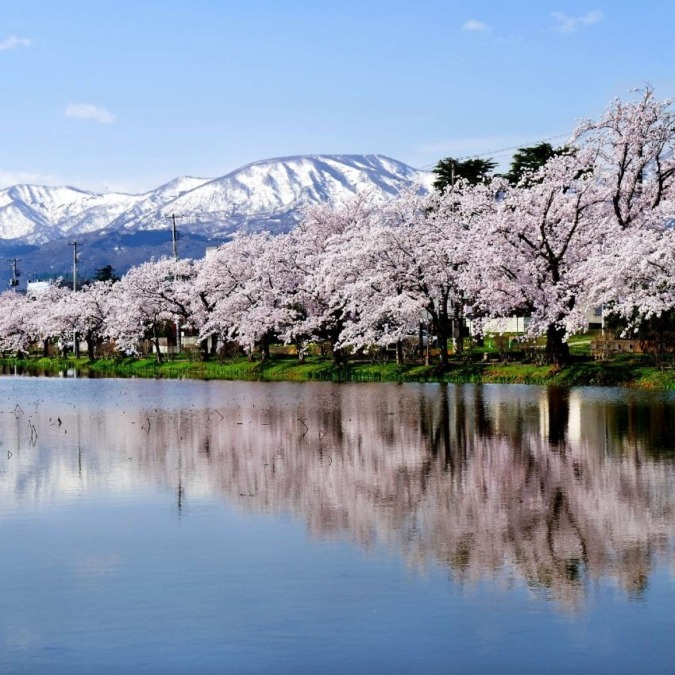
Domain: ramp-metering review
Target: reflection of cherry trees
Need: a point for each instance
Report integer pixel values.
(550, 488)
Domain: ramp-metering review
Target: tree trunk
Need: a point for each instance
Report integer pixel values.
(399, 352)
(204, 349)
(157, 351)
(338, 357)
(457, 337)
(76, 345)
(90, 346)
(443, 339)
(155, 341)
(265, 348)
(557, 350)
(45, 347)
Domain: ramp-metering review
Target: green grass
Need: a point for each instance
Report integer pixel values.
(626, 371)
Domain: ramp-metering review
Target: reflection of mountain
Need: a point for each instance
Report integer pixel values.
(552, 488)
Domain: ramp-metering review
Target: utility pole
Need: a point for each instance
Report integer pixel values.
(76, 344)
(174, 241)
(14, 281)
(74, 244)
(174, 234)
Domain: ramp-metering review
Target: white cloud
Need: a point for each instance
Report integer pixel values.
(87, 111)
(592, 17)
(570, 24)
(12, 42)
(475, 25)
(566, 24)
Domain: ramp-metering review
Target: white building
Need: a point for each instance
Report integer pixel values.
(35, 288)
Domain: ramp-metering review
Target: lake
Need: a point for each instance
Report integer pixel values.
(207, 527)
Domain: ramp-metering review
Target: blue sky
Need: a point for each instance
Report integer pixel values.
(127, 94)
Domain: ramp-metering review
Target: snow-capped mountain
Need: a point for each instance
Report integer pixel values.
(269, 194)
(36, 222)
(37, 214)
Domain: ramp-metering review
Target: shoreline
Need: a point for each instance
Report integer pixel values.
(629, 372)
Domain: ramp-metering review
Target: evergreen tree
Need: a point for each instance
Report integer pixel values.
(474, 171)
(106, 273)
(529, 159)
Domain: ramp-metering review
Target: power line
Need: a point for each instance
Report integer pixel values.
(495, 153)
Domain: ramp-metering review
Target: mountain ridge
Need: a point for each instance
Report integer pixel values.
(268, 194)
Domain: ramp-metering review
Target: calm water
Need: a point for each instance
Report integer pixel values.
(177, 526)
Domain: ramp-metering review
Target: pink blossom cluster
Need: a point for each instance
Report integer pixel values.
(591, 227)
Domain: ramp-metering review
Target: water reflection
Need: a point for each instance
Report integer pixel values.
(550, 487)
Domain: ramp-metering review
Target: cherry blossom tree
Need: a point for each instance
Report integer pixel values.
(46, 319)
(528, 251)
(631, 273)
(635, 277)
(89, 311)
(16, 324)
(592, 226)
(378, 312)
(633, 145)
(147, 298)
(313, 283)
(402, 265)
(29, 320)
(240, 289)
(556, 239)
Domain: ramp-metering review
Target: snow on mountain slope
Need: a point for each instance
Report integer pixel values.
(154, 200)
(269, 194)
(38, 214)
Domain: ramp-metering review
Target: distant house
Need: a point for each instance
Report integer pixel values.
(506, 324)
(595, 317)
(605, 347)
(519, 324)
(35, 288)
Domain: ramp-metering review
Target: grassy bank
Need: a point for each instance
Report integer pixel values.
(627, 371)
